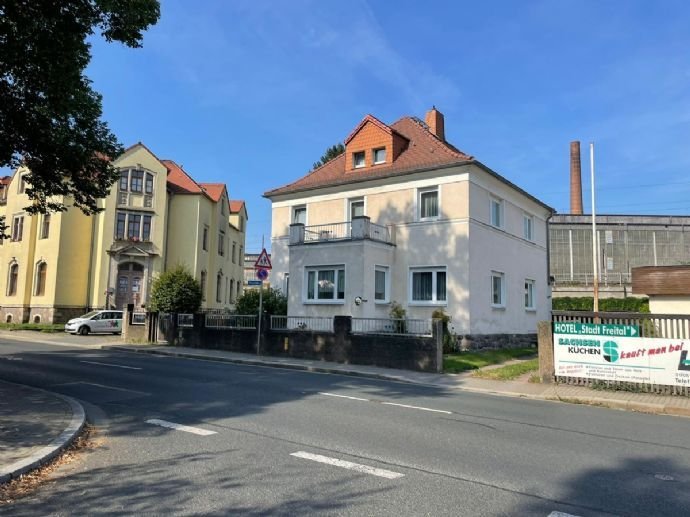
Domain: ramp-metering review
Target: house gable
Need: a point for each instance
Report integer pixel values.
(372, 134)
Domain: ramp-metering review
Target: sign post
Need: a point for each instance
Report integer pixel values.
(262, 265)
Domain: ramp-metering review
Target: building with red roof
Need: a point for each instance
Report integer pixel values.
(403, 216)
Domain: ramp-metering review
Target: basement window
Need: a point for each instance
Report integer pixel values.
(358, 159)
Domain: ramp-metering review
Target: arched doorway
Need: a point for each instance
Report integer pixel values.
(130, 281)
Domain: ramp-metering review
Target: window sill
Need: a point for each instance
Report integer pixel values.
(323, 302)
(530, 309)
(427, 304)
(498, 307)
(428, 219)
(382, 302)
(380, 163)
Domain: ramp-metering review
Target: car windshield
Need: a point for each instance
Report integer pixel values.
(89, 315)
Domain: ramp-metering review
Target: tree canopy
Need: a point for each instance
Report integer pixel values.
(176, 290)
(332, 152)
(50, 117)
(274, 302)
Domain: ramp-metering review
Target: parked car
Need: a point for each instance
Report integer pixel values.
(96, 321)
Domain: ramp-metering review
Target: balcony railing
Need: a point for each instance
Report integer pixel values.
(359, 228)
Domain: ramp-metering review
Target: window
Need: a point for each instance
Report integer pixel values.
(356, 208)
(223, 204)
(133, 226)
(203, 286)
(428, 285)
(325, 284)
(428, 204)
(45, 226)
(204, 240)
(299, 215)
(120, 226)
(219, 287)
(40, 282)
(498, 289)
(146, 228)
(358, 160)
(12, 280)
(379, 155)
(234, 246)
(17, 227)
(124, 180)
(497, 212)
(529, 295)
(232, 288)
(22, 183)
(137, 178)
(381, 284)
(241, 257)
(241, 223)
(221, 243)
(239, 286)
(148, 188)
(528, 227)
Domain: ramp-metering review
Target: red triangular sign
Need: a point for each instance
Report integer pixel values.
(263, 261)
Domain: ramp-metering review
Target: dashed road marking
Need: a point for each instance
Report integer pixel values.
(113, 365)
(365, 469)
(180, 427)
(418, 407)
(342, 396)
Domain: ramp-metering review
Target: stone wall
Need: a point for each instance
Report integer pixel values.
(488, 341)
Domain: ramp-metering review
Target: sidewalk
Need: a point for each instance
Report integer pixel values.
(643, 402)
(35, 425)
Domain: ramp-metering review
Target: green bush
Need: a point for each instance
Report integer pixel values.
(274, 302)
(586, 303)
(176, 290)
(397, 312)
(448, 337)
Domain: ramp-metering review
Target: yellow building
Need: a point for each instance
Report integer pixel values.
(156, 216)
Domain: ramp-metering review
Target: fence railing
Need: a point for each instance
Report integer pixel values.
(606, 279)
(415, 327)
(327, 232)
(297, 323)
(230, 321)
(138, 318)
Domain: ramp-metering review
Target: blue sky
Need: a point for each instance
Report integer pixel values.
(252, 92)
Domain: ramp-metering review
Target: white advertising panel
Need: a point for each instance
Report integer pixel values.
(628, 359)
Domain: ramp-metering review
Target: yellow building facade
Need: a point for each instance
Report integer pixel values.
(156, 216)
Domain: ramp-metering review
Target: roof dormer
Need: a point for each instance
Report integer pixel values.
(372, 144)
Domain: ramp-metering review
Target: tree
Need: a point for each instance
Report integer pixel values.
(274, 302)
(176, 290)
(332, 152)
(50, 118)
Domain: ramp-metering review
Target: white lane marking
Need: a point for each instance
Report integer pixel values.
(561, 514)
(418, 407)
(113, 365)
(365, 469)
(100, 386)
(180, 427)
(342, 396)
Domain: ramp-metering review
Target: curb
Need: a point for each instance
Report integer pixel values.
(55, 447)
(642, 407)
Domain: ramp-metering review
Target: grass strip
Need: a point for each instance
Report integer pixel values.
(464, 361)
(510, 371)
(38, 327)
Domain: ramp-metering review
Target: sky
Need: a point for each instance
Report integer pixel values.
(251, 93)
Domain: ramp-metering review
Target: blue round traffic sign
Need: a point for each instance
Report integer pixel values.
(262, 274)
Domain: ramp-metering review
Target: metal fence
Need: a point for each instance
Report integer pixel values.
(138, 318)
(327, 232)
(230, 321)
(302, 323)
(414, 327)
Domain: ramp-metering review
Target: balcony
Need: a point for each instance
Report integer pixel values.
(360, 228)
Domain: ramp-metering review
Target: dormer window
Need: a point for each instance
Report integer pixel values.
(358, 159)
(379, 155)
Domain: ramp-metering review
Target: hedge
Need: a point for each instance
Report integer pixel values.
(586, 303)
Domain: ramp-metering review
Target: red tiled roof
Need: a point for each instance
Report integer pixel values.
(424, 150)
(236, 205)
(179, 181)
(214, 190)
(5, 180)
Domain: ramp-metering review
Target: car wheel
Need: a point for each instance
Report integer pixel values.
(83, 331)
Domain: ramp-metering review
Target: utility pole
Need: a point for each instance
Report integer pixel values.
(595, 254)
(261, 303)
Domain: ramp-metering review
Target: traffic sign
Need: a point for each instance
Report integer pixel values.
(254, 282)
(263, 261)
(262, 274)
(596, 329)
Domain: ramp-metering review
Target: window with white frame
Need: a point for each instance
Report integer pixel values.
(381, 284)
(219, 287)
(498, 294)
(529, 294)
(299, 215)
(428, 285)
(427, 201)
(528, 227)
(496, 212)
(17, 228)
(379, 155)
(356, 208)
(358, 159)
(325, 284)
(22, 183)
(133, 226)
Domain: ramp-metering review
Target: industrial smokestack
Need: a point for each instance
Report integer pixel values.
(575, 179)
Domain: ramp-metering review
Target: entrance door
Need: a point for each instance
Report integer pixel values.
(130, 277)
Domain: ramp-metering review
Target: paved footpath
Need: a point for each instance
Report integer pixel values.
(35, 425)
(643, 402)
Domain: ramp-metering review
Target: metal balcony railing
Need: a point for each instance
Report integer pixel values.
(358, 229)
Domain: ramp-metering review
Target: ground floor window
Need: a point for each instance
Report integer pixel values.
(325, 283)
(529, 294)
(428, 285)
(381, 289)
(498, 289)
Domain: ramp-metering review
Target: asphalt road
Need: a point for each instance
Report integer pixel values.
(269, 441)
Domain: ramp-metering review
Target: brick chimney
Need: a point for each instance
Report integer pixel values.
(575, 179)
(434, 119)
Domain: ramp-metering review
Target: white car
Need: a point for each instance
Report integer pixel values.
(96, 321)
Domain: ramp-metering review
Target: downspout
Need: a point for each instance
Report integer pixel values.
(165, 236)
(548, 259)
(93, 250)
